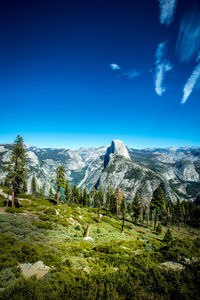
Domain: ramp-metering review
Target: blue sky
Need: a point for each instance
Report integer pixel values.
(81, 73)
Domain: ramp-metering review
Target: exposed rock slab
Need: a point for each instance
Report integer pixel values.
(172, 265)
(39, 269)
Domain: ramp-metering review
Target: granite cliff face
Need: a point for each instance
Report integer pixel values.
(133, 170)
(117, 147)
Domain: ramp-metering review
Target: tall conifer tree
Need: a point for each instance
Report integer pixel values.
(158, 203)
(16, 167)
(60, 181)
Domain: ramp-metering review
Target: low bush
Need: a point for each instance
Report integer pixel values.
(50, 211)
(14, 210)
(45, 217)
(42, 225)
(159, 229)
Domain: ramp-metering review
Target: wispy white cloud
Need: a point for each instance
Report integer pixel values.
(162, 67)
(167, 10)
(188, 44)
(114, 67)
(131, 74)
(190, 84)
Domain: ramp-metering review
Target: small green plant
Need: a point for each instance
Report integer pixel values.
(159, 229)
(14, 210)
(168, 236)
(78, 227)
(50, 211)
(45, 217)
(43, 225)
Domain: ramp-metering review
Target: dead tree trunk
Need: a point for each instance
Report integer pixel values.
(86, 231)
(99, 217)
(122, 225)
(58, 198)
(13, 198)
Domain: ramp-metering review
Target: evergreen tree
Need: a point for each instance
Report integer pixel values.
(86, 198)
(50, 192)
(67, 191)
(16, 167)
(136, 207)
(100, 196)
(168, 236)
(112, 202)
(76, 196)
(178, 213)
(123, 206)
(94, 198)
(24, 187)
(123, 210)
(42, 190)
(143, 208)
(100, 200)
(118, 199)
(158, 203)
(60, 181)
(33, 186)
(108, 195)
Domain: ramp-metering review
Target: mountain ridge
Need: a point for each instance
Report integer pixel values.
(132, 169)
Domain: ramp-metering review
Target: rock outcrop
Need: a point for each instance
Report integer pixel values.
(117, 147)
(39, 269)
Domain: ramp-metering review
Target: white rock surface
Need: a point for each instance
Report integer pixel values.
(39, 269)
(88, 238)
(172, 265)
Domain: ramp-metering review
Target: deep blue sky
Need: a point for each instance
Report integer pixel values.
(57, 87)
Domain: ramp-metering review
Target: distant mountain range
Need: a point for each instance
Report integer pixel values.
(133, 170)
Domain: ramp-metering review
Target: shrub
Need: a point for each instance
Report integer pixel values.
(45, 217)
(78, 227)
(43, 225)
(168, 236)
(159, 229)
(14, 210)
(50, 211)
(28, 253)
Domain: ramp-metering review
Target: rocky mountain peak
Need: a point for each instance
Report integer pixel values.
(117, 147)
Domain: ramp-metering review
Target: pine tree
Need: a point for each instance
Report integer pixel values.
(42, 190)
(16, 167)
(178, 213)
(118, 199)
(100, 200)
(60, 181)
(136, 207)
(123, 210)
(50, 192)
(94, 198)
(157, 203)
(67, 191)
(33, 186)
(108, 195)
(76, 196)
(86, 198)
(112, 202)
(168, 236)
(100, 196)
(24, 187)
(143, 208)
